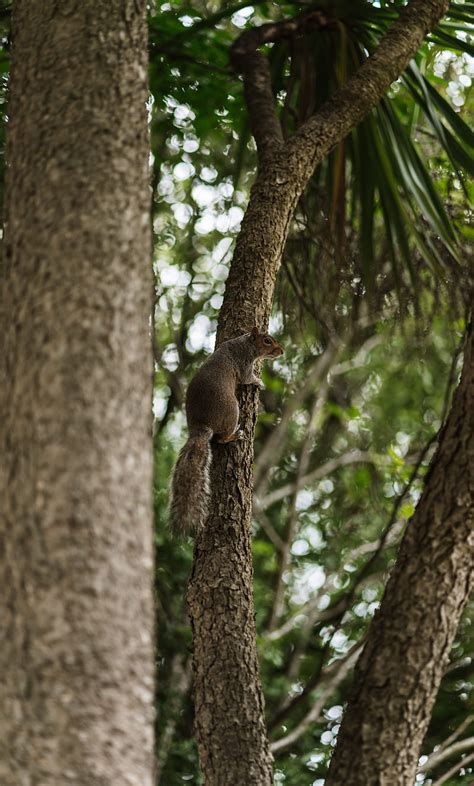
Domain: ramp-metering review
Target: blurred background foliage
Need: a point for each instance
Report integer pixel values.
(371, 307)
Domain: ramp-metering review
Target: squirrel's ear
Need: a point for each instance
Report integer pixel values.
(255, 331)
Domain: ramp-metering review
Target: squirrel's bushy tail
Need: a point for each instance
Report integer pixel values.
(190, 484)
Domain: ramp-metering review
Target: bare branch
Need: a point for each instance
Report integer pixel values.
(310, 608)
(351, 103)
(388, 535)
(176, 54)
(272, 449)
(413, 631)
(359, 359)
(254, 66)
(459, 664)
(456, 733)
(335, 674)
(387, 531)
(313, 423)
(453, 770)
(324, 368)
(270, 531)
(446, 752)
(352, 457)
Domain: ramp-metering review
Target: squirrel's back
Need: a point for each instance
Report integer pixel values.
(211, 399)
(212, 409)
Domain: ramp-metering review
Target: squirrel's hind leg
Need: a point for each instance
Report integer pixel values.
(229, 429)
(223, 439)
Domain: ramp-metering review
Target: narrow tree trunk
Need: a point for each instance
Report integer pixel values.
(230, 725)
(76, 547)
(408, 645)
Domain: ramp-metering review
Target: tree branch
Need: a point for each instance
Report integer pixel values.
(305, 450)
(408, 644)
(254, 67)
(446, 752)
(176, 54)
(270, 531)
(452, 737)
(337, 612)
(335, 674)
(311, 609)
(352, 457)
(220, 589)
(453, 770)
(271, 451)
(350, 104)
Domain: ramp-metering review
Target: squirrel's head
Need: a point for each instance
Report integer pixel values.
(267, 346)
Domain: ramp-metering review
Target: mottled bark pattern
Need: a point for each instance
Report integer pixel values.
(398, 674)
(229, 721)
(230, 730)
(76, 653)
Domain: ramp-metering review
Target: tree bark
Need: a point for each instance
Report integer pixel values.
(408, 644)
(230, 728)
(76, 657)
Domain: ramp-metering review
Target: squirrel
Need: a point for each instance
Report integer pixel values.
(212, 410)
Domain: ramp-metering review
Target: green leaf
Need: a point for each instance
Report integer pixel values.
(416, 179)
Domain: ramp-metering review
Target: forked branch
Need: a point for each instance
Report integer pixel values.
(254, 67)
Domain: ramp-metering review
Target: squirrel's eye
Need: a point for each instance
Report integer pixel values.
(267, 341)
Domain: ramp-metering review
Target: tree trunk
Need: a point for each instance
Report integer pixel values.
(230, 725)
(408, 645)
(230, 728)
(76, 656)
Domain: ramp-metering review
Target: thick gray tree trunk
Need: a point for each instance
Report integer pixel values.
(76, 655)
(230, 725)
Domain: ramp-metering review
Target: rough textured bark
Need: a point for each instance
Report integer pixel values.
(76, 656)
(230, 729)
(398, 674)
(229, 720)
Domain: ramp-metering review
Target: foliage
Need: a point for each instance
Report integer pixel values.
(382, 179)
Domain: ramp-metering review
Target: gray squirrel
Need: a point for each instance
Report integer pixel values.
(212, 410)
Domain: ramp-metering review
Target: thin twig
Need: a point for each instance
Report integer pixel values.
(174, 54)
(270, 530)
(271, 451)
(452, 771)
(344, 603)
(334, 674)
(352, 457)
(313, 423)
(254, 67)
(456, 734)
(359, 358)
(446, 752)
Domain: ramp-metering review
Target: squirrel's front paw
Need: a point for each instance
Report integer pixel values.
(258, 382)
